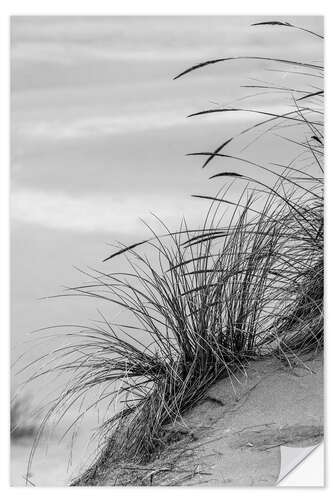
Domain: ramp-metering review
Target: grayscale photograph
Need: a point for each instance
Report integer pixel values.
(167, 248)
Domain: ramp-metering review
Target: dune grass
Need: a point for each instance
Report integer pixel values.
(245, 285)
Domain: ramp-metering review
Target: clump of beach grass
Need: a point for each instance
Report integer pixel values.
(197, 313)
(298, 325)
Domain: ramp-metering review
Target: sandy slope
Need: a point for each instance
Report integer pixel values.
(233, 437)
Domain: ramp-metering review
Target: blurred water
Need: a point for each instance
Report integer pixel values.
(48, 469)
(55, 462)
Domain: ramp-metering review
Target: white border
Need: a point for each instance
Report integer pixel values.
(176, 7)
(138, 7)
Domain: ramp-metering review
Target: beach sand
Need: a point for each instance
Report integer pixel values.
(233, 438)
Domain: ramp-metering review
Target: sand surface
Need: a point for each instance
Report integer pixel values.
(233, 438)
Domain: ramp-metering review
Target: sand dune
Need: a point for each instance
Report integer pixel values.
(233, 438)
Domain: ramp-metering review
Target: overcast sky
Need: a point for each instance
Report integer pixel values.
(99, 135)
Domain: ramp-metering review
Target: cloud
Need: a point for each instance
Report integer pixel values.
(71, 54)
(100, 126)
(68, 40)
(86, 127)
(53, 209)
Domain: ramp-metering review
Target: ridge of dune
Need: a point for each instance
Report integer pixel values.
(233, 437)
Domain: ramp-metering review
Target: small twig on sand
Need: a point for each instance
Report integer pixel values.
(253, 426)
